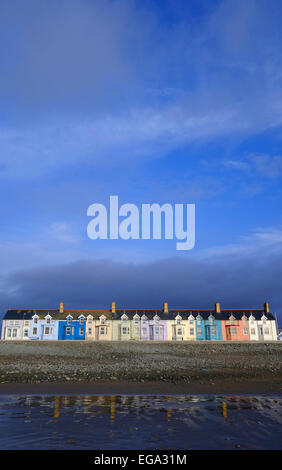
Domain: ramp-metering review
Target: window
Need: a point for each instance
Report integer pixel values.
(124, 330)
(81, 331)
(157, 330)
(9, 331)
(191, 331)
(178, 321)
(266, 331)
(25, 333)
(102, 330)
(199, 331)
(47, 330)
(136, 330)
(191, 322)
(34, 331)
(144, 331)
(35, 320)
(245, 331)
(136, 320)
(90, 322)
(69, 321)
(48, 320)
(253, 332)
(26, 323)
(68, 331)
(179, 331)
(244, 321)
(81, 321)
(233, 331)
(213, 331)
(90, 331)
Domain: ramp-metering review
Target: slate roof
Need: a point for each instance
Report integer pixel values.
(26, 314)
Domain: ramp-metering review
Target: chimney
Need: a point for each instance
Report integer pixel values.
(165, 307)
(62, 307)
(266, 307)
(217, 307)
(113, 307)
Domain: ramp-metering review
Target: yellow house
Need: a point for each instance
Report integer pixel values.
(181, 326)
(99, 325)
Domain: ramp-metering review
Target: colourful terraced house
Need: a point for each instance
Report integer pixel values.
(99, 325)
(43, 327)
(72, 328)
(140, 325)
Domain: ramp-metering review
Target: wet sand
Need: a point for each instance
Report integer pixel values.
(218, 387)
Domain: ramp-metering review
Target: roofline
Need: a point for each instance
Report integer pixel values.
(144, 309)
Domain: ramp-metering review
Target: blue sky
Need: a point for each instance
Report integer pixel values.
(153, 101)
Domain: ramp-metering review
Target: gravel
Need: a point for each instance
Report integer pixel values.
(80, 361)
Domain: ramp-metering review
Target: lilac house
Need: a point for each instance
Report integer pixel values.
(153, 328)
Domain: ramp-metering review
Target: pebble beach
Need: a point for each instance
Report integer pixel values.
(141, 367)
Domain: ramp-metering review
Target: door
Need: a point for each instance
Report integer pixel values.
(228, 333)
(260, 332)
(208, 332)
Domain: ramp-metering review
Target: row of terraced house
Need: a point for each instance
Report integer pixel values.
(140, 325)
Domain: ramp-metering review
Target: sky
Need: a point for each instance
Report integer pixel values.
(156, 102)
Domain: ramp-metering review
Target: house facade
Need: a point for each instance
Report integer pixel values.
(181, 326)
(72, 328)
(99, 326)
(43, 327)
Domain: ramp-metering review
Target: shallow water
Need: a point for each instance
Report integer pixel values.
(140, 422)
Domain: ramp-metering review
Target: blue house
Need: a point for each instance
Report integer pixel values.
(208, 328)
(72, 329)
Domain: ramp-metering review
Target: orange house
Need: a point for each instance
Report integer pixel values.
(235, 329)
